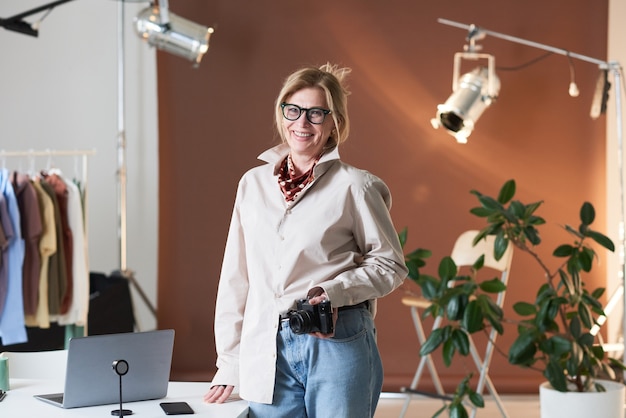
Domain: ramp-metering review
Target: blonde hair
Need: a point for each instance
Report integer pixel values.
(331, 79)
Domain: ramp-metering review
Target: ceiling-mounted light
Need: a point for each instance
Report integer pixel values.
(172, 33)
(472, 93)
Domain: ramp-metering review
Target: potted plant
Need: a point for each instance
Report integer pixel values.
(553, 332)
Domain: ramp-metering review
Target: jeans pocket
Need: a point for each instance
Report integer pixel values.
(351, 325)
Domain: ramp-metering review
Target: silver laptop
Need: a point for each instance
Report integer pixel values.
(91, 380)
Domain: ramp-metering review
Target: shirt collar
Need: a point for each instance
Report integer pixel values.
(277, 154)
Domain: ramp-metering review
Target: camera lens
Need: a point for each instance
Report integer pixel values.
(301, 322)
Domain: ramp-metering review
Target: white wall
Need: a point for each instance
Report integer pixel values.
(59, 91)
(617, 53)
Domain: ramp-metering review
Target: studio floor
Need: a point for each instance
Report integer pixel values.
(517, 406)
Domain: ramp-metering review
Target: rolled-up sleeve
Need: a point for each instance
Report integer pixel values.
(381, 268)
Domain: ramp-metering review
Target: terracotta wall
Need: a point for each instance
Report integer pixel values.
(215, 120)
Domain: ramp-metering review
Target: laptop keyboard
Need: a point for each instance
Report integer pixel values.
(54, 397)
(57, 398)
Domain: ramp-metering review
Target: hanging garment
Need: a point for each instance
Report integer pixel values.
(57, 277)
(7, 234)
(47, 247)
(12, 326)
(79, 303)
(30, 224)
(62, 194)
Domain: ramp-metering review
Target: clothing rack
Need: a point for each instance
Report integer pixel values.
(51, 153)
(31, 153)
(70, 330)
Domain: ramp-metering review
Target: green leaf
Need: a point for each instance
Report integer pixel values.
(596, 294)
(473, 317)
(456, 306)
(601, 239)
(481, 212)
(429, 286)
(532, 235)
(576, 283)
(415, 260)
(524, 308)
(598, 352)
(479, 263)
(523, 349)
(556, 376)
(617, 364)
(564, 250)
(477, 399)
(496, 322)
(535, 220)
(517, 209)
(567, 282)
(440, 411)
(489, 203)
(492, 286)
(587, 213)
(420, 253)
(577, 356)
(574, 327)
(447, 268)
(414, 269)
(500, 245)
(557, 346)
(482, 234)
(574, 232)
(461, 341)
(507, 192)
(585, 258)
(402, 236)
(586, 340)
(434, 340)
(585, 315)
(447, 352)
(457, 411)
(532, 208)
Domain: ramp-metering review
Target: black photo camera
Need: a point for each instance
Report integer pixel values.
(309, 318)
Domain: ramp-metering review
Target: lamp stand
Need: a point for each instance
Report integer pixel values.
(120, 367)
(121, 162)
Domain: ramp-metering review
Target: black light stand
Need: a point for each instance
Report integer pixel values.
(121, 368)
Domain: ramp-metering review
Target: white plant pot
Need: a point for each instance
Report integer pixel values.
(609, 404)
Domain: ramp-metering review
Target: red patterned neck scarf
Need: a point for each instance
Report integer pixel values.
(290, 184)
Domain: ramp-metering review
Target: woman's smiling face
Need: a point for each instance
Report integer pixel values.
(304, 138)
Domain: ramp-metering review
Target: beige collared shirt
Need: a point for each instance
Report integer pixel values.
(337, 235)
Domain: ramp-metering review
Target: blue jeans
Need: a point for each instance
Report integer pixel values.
(339, 377)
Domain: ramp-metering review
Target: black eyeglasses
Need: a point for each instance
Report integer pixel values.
(315, 115)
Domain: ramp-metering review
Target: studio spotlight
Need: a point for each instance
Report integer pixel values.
(172, 33)
(472, 94)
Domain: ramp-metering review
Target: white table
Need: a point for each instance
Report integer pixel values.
(20, 403)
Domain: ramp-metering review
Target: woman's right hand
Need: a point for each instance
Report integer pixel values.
(218, 394)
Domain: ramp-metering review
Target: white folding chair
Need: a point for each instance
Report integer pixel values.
(464, 253)
(49, 365)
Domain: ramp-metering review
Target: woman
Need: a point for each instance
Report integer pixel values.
(306, 225)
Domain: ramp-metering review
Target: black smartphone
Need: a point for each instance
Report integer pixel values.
(176, 408)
